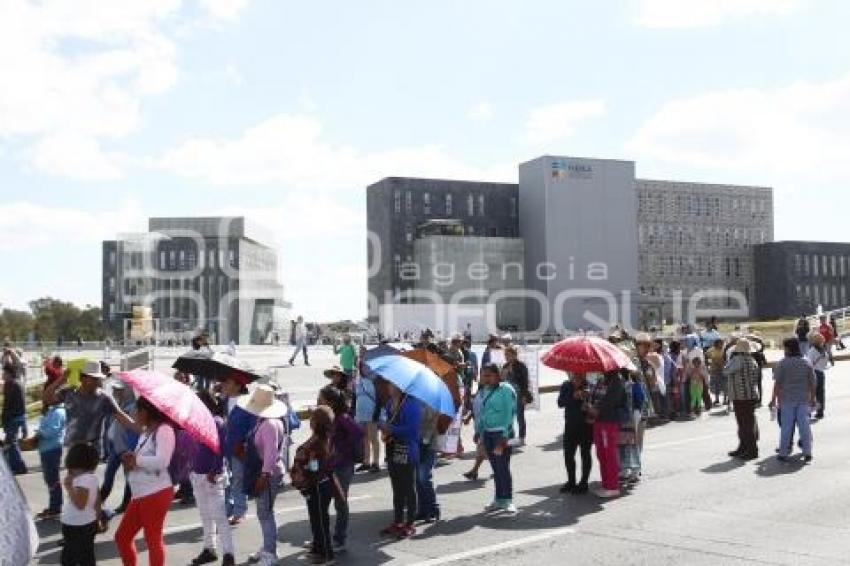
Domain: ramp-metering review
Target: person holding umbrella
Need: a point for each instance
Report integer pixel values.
(150, 483)
(495, 427)
(264, 466)
(574, 398)
(401, 436)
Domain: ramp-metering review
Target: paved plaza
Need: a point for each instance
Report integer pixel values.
(694, 506)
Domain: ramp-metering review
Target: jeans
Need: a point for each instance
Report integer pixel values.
(425, 492)
(520, 417)
(745, 415)
(51, 460)
(265, 515)
(78, 549)
(318, 501)
(343, 476)
(237, 501)
(13, 429)
(820, 392)
(300, 347)
(789, 415)
(575, 438)
(403, 481)
(501, 464)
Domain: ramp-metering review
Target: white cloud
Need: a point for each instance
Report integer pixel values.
(480, 111)
(75, 156)
(559, 121)
(290, 149)
(80, 69)
(233, 75)
(706, 13)
(224, 9)
(25, 225)
(801, 128)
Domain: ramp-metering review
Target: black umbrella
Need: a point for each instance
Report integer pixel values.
(215, 365)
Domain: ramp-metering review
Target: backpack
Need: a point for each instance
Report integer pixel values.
(252, 463)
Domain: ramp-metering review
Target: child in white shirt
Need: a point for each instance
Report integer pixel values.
(81, 507)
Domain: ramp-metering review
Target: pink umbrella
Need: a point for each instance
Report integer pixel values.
(584, 354)
(178, 402)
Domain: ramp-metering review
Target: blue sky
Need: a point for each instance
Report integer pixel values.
(284, 111)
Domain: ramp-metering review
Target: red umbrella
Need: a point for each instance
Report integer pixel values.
(178, 402)
(586, 354)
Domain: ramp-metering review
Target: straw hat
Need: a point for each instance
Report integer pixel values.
(742, 346)
(262, 403)
(643, 338)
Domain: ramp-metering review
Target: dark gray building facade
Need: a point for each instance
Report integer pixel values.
(792, 278)
(211, 273)
(401, 210)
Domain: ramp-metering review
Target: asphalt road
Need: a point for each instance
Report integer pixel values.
(694, 506)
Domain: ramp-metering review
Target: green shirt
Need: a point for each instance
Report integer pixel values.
(347, 355)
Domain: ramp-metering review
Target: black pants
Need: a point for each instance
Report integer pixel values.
(403, 481)
(78, 549)
(745, 416)
(575, 438)
(318, 501)
(820, 392)
(520, 416)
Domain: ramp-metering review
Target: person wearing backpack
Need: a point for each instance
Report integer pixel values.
(401, 435)
(208, 479)
(347, 449)
(312, 475)
(150, 484)
(263, 464)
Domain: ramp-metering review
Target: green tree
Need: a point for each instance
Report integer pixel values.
(15, 325)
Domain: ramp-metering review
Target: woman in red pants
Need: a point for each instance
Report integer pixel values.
(150, 485)
(607, 410)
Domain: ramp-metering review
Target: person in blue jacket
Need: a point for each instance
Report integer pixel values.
(51, 435)
(238, 426)
(401, 435)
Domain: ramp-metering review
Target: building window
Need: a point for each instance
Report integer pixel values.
(798, 264)
(426, 203)
(470, 205)
(737, 267)
(842, 268)
(728, 267)
(211, 262)
(806, 270)
(112, 259)
(470, 230)
(481, 205)
(514, 207)
(161, 260)
(833, 266)
(112, 284)
(815, 264)
(448, 205)
(182, 259)
(397, 202)
(397, 264)
(232, 258)
(408, 202)
(172, 259)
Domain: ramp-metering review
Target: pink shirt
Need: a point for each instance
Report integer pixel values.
(269, 440)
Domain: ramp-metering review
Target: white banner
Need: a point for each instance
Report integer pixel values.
(451, 440)
(531, 358)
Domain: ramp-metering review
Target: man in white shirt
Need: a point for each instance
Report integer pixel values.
(300, 341)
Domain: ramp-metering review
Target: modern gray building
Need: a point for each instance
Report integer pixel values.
(197, 273)
(698, 238)
(792, 278)
(578, 220)
(598, 244)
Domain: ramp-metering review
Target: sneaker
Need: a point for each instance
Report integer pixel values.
(362, 468)
(580, 489)
(807, 458)
(471, 476)
(228, 560)
(406, 531)
(510, 509)
(205, 557)
(734, 453)
(492, 506)
(568, 488)
(607, 493)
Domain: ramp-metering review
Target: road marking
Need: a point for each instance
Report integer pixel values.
(495, 548)
(184, 528)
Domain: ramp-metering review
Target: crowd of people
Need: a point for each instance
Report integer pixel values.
(100, 419)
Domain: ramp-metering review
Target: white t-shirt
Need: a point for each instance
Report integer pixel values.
(818, 360)
(153, 454)
(71, 515)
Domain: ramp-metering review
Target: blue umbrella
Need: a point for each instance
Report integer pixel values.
(415, 380)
